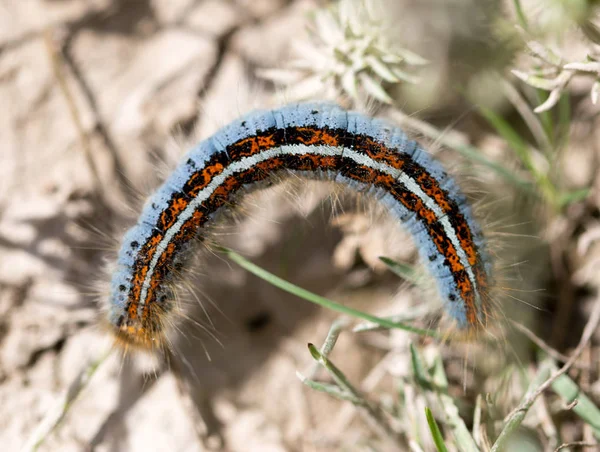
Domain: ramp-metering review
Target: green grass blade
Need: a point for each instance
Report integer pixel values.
(347, 391)
(435, 380)
(436, 433)
(421, 375)
(564, 121)
(331, 389)
(474, 155)
(574, 196)
(337, 375)
(521, 149)
(545, 116)
(454, 421)
(585, 408)
(520, 14)
(332, 336)
(317, 299)
(506, 131)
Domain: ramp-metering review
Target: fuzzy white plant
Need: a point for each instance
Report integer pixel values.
(351, 51)
(553, 72)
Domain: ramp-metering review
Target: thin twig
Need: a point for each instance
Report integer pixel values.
(56, 415)
(576, 443)
(476, 431)
(530, 118)
(553, 353)
(517, 415)
(585, 408)
(547, 424)
(571, 405)
(205, 430)
(368, 384)
(57, 68)
(372, 413)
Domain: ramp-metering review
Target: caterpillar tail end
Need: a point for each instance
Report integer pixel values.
(136, 335)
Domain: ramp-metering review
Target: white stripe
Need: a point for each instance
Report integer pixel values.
(248, 162)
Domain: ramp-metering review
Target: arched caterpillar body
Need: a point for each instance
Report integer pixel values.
(317, 141)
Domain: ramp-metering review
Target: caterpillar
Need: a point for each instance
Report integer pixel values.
(315, 141)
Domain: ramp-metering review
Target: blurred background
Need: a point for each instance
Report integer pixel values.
(101, 98)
